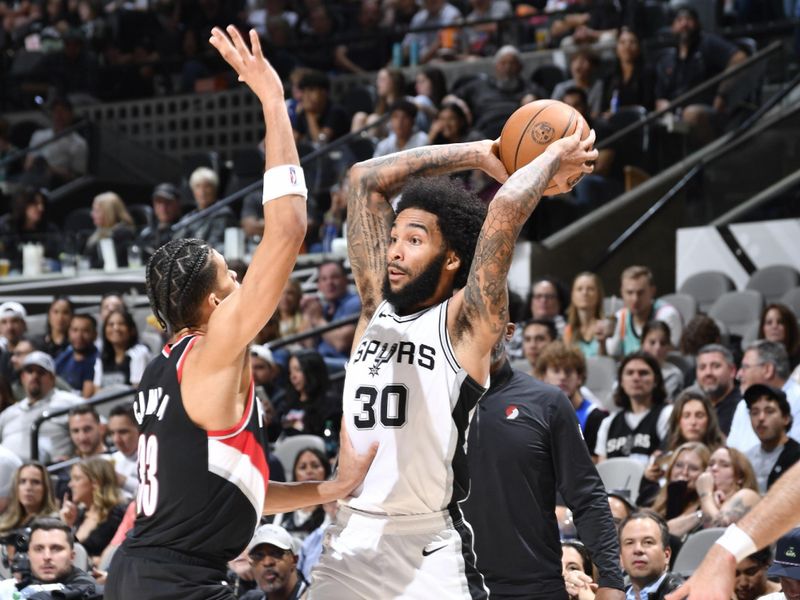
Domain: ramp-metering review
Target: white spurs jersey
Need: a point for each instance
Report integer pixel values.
(405, 390)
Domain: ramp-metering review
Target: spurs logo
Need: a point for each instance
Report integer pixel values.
(382, 357)
(542, 133)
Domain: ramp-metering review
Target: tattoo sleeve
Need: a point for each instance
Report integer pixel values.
(485, 293)
(732, 513)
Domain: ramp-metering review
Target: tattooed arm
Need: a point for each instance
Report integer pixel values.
(477, 314)
(735, 508)
(369, 214)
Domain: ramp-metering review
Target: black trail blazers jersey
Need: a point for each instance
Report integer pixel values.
(201, 492)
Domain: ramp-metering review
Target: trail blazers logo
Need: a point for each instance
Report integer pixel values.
(542, 133)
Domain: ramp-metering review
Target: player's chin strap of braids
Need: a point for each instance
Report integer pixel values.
(284, 180)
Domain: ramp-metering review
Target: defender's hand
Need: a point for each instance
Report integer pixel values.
(249, 63)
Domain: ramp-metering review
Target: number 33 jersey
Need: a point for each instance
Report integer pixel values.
(200, 492)
(405, 390)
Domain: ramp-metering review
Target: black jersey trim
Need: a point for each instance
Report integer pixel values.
(475, 582)
(444, 337)
(391, 314)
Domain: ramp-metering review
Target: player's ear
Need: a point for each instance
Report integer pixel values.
(452, 261)
(213, 300)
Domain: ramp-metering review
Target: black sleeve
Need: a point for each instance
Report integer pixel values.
(592, 425)
(583, 491)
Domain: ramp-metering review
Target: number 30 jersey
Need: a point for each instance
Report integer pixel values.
(200, 492)
(405, 390)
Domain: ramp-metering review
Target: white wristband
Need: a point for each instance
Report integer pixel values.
(284, 180)
(737, 542)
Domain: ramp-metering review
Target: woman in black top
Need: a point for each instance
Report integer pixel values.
(310, 402)
(27, 223)
(632, 81)
(55, 339)
(309, 465)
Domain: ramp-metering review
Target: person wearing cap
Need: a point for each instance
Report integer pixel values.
(786, 566)
(771, 418)
(273, 554)
(167, 211)
(766, 363)
(266, 371)
(12, 328)
(38, 380)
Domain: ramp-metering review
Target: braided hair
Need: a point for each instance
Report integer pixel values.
(180, 274)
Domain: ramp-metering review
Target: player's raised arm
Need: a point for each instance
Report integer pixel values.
(243, 313)
(478, 313)
(369, 215)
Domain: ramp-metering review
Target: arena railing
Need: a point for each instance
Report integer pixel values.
(776, 190)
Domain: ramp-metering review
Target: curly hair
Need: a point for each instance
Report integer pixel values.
(179, 275)
(459, 213)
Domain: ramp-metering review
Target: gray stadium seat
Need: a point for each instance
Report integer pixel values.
(751, 334)
(792, 300)
(694, 550)
(81, 559)
(685, 363)
(288, 448)
(601, 374)
(738, 310)
(620, 474)
(706, 287)
(685, 304)
(774, 281)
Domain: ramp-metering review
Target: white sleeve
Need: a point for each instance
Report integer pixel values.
(98, 373)
(662, 426)
(140, 356)
(614, 343)
(670, 315)
(602, 436)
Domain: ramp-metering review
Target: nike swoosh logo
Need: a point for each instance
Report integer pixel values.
(429, 552)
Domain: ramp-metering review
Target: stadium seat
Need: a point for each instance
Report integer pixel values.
(706, 287)
(773, 281)
(750, 334)
(621, 474)
(694, 550)
(684, 363)
(738, 310)
(792, 300)
(601, 374)
(685, 304)
(288, 448)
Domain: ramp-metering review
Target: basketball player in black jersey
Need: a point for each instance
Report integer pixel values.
(202, 468)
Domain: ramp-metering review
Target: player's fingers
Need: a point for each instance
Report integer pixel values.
(679, 594)
(589, 141)
(238, 42)
(592, 155)
(255, 44)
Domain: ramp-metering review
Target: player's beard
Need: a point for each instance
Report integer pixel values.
(413, 294)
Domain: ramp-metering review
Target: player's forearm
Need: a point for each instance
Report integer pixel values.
(521, 193)
(287, 497)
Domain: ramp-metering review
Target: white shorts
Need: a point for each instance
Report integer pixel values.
(376, 557)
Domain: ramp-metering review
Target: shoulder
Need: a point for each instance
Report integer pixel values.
(64, 398)
(746, 496)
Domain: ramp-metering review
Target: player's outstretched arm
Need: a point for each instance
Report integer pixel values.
(479, 312)
(243, 313)
(351, 470)
(774, 516)
(369, 215)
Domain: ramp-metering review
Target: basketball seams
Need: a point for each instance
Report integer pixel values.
(524, 133)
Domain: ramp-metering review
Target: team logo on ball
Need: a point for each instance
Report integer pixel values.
(542, 133)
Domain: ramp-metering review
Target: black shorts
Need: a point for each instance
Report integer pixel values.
(160, 574)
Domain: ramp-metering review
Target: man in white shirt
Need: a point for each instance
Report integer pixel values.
(63, 159)
(38, 380)
(125, 434)
(403, 114)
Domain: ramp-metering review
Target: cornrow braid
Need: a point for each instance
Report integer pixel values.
(179, 275)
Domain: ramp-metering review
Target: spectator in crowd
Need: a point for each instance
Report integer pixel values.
(656, 342)
(482, 39)
(317, 31)
(337, 303)
(728, 489)
(492, 101)
(779, 324)
(403, 134)
(28, 223)
(767, 363)
(31, 497)
(259, 14)
(112, 221)
(86, 431)
(632, 81)
(61, 160)
(585, 315)
(7, 149)
(771, 418)
(547, 300)
(700, 331)
(56, 334)
(311, 550)
(77, 364)
(620, 505)
(273, 554)
(366, 49)
(583, 66)
(716, 377)
(390, 87)
(431, 88)
(751, 576)
(697, 57)
(577, 570)
(291, 317)
(167, 211)
(642, 426)
(565, 367)
(517, 548)
(309, 401)
(123, 358)
(694, 420)
(124, 433)
(786, 567)
(204, 183)
(677, 501)
(452, 123)
(38, 379)
(435, 15)
(589, 22)
(645, 556)
(638, 292)
(51, 551)
(95, 508)
(319, 119)
(6, 394)
(73, 69)
(309, 465)
(22, 349)
(267, 379)
(537, 334)
(12, 328)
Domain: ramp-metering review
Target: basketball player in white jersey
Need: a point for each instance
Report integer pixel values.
(420, 359)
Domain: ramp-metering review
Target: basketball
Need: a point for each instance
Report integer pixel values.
(532, 128)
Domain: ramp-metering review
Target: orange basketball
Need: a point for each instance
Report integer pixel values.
(532, 128)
